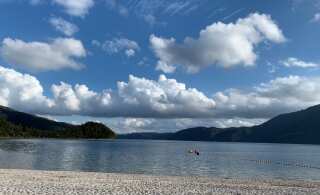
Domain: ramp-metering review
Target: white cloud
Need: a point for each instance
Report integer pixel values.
(40, 56)
(161, 99)
(164, 67)
(66, 97)
(281, 95)
(294, 62)
(130, 52)
(139, 97)
(136, 124)
(129, 125)
(22, 91)
(237, 122)
(316, 18)
(225, 45)
(76, 7)
(63, 26)
(118, 45)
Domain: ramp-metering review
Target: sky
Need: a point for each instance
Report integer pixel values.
(159, 65)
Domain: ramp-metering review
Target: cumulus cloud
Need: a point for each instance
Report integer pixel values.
(283, 94)
(137, 124)
(129, 125)
(163, 98)
(139, 97)
(294, 62)
(221, 44)
(76, 7)
(63, 26)
(118, 45)
(41, 56)
(160, 99)
(22, 91)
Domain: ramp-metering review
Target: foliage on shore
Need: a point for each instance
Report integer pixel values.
(89, 130)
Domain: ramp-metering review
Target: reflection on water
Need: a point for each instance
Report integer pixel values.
(20, 146)
(164, 157)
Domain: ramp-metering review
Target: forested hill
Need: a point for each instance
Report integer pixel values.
(19, 124)
(301, 127)
(298, 127)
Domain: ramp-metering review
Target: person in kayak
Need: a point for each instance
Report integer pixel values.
(196, 152)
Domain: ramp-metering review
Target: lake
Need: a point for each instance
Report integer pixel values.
(227, 160)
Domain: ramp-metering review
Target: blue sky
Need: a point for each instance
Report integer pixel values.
(192, 63)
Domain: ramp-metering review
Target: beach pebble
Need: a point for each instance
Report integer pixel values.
(53, 182)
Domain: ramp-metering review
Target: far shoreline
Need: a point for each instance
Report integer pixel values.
(115, 139)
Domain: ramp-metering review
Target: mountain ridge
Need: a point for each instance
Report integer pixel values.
(20, 124)
(29, 120)
(300, 127)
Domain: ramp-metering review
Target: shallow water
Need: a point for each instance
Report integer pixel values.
(227, 160)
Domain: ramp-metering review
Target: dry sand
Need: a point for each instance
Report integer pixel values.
(56, 182)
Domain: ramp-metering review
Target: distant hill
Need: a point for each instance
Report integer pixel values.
(32, 121)
(302, 127)
(19, 124)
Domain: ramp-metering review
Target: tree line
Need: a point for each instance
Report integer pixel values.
(89, 130)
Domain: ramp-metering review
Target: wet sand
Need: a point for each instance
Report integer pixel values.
(61, 182)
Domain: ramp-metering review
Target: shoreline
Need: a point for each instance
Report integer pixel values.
(19, 181)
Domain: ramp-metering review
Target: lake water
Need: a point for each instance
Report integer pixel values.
(227, 160)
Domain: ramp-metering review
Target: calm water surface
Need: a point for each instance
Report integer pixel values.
(228, 160)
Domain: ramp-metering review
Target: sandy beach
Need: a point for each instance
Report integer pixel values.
(61, 182)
